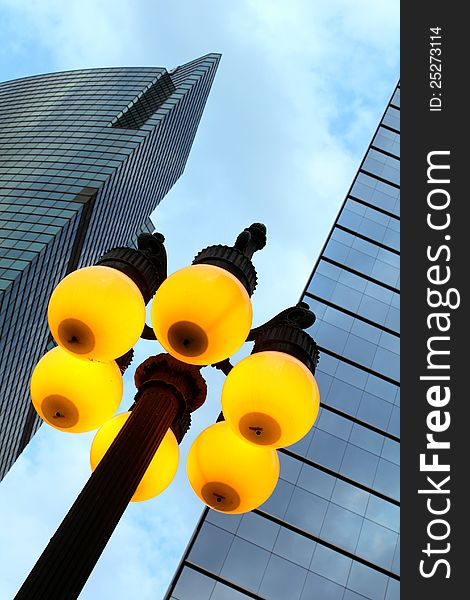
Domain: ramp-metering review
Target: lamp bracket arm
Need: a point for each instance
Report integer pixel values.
(285, 333)
(224, 365)
(148, 333)
(299, 316)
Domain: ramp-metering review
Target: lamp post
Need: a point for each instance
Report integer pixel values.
(201, 315)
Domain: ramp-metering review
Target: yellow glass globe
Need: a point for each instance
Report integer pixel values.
(162, 467)
(201, 314)
(75, 395)
(96, 313)
(270, 399)
(229, 474)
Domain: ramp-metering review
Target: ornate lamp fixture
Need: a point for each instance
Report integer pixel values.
(201, 315)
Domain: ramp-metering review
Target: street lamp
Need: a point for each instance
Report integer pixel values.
(162, 468)
(75, 395)
(201, 315)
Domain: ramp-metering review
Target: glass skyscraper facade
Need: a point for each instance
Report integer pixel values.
(330, 531)
(85, 157)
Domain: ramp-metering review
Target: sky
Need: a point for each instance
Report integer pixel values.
(299, 92)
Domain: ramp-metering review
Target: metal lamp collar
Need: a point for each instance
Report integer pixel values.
(236, 259)
(146, 266)
(187, 381)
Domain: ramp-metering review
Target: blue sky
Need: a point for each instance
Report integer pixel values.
(299, 91)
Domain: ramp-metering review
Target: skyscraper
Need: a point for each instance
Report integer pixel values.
(330, 531)
(85, 157)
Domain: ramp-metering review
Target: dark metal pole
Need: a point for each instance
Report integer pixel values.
(69, 558)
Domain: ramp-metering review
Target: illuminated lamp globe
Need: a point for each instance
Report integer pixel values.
(75, 395)
(227, 473)
(96, 313)
(270, 399)
(201, 314)
(162, 467)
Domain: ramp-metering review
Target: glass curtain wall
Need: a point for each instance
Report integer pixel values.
(85, 157)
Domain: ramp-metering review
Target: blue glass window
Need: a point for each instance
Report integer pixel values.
(223, 592)
(316, 481)
(387, 140)
(364, 257)
(367, 582)
(371, 223)
(228, 522)
(192, 584)
(392, 118)
(331, 564)
(306, 511)
(359, 341)
(387, 479)
(282, 579)
(258, 530)
(341, 527)
(245, 564)
(375, 192)
(211, 547)
(383, 512)
(377, 544)
(350, 497)
(393, 590)
(277, 503)
(360, 465)
(382, 165)
(289, 468)
(295, 547)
